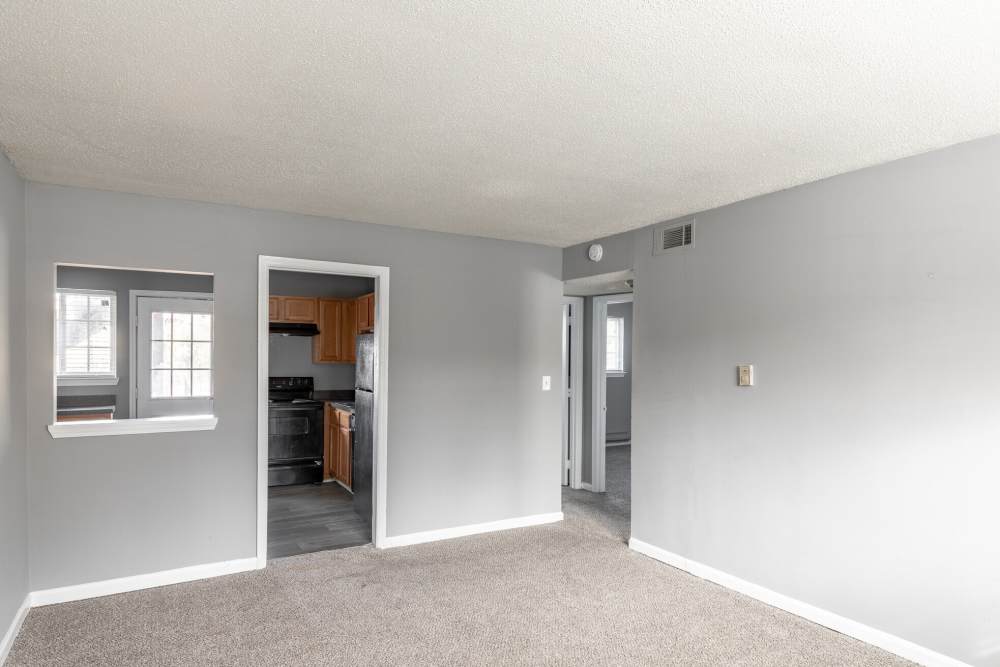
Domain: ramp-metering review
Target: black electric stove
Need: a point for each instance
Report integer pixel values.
(294, 432)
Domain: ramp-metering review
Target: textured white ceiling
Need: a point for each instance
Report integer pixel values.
(554, 122)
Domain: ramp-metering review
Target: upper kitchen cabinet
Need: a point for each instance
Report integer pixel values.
(328, 345)
(303, 309)
(337, 330)
(366, 313)
(348, 330)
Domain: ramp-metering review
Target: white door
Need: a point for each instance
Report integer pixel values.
(174, 338)
(567, 389)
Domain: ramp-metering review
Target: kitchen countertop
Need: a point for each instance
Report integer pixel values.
(332, 395)
(66, 405)
(347, 406)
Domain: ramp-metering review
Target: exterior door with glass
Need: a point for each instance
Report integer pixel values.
(173, 355)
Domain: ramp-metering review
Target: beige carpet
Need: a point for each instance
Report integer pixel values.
(562, 594)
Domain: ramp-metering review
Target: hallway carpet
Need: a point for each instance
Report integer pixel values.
(563, 594)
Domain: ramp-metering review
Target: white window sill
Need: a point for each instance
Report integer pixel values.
(83, 429)
(94, 381)
(616, 374)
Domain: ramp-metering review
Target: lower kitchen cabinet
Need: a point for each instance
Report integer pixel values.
(337, 445)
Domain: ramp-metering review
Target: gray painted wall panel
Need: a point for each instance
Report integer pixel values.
(474, 324)
(619, 255)
(859, 475)
(13, 466)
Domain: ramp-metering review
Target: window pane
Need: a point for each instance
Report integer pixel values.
(613, 352)
(202, 383)
(100, 360)
(100, 308)
(202, 323)
(159, 384)
(182, 326)
(76, 334)
(182, 384)
(161, 355)
(161, 326)
(75, 306)
(100, 334)
(182, 354)
(75, 360)
(201, 356)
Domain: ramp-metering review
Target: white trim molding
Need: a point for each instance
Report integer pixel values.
(138, 582)
(15, 626)
(380, 477)
(901, 647)
(82, 429)
(471, 529)
(86, 380)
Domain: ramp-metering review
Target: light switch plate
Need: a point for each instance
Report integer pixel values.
(546, 382)
(744, 375)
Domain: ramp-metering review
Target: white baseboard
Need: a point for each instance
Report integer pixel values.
(471, 529)
(98, 589)
(15, 626)
(901, 647)
(586, 486)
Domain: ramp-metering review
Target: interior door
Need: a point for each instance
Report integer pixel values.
(173, 355)
(567, 388)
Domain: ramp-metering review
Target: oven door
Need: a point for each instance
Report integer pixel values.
(294, 433)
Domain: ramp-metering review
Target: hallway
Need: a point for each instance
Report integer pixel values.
(612, 509)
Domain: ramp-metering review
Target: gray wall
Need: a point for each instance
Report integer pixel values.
(292, 355)
(474, 323)
(121, 282)
(619, 390)
(13, 470)
(619, 255)
(859, 475)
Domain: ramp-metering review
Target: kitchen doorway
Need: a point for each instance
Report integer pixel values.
(321, 450)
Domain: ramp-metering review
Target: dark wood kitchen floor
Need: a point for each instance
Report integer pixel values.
(312, 517)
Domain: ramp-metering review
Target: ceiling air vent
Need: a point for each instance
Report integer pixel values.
(673, 236)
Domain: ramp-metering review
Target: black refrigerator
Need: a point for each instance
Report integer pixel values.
(364, 425)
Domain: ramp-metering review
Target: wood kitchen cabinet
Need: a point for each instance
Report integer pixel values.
(329, 441)
(301, 309)
(337, 331)
(327, 346)
(366, 313)
(348, 330)
(344, 448)
(337, 445)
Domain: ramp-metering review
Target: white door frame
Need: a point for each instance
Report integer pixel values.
(575, 365)
(266, 264)
(133, 325)
(599, 385)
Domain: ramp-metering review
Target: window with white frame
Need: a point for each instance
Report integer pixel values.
(181, 348)
(616, 345)
(85, 335)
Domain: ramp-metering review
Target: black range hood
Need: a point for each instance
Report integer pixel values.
(294, 329)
